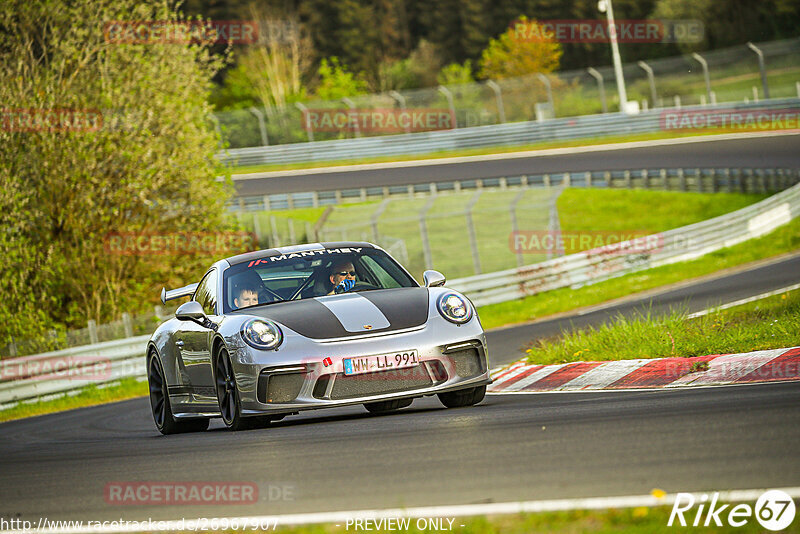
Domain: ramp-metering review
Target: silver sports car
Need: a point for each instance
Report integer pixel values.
(269, 333)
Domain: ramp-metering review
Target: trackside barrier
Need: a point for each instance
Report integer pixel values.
(697, 179)
(71, 369)
(596, 265)
(68, 370)
(509, 134)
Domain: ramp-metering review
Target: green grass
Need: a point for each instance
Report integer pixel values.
(579, 210)
(783, 240)
(770, 323)
(617, 210)
(92, 395)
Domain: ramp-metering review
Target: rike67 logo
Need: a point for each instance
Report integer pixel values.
(774, 510)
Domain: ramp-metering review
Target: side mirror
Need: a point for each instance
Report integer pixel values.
(192, 311)
(433, 279)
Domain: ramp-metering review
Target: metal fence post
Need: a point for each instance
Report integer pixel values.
(257, 228)
(93, 332)
(292, 238)
(601, 86)
(703, 63)
(275, 241)
(473, 240)
(375, 216)
(650, 79)
(761, 68)
(423, 233)
(402, 101)
(304, 110)
(554, 225)
(127, 324)
(261, 127)
(446, 92)
(514, 226)
(349, 103)
(546, 81)
(501, 112)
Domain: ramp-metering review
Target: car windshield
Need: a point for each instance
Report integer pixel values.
(310, 274)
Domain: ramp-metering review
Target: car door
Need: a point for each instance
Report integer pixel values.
(193, 342)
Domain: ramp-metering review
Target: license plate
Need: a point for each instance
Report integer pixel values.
(381, 362)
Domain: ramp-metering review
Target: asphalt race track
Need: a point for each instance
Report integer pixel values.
(773, 151)
(509, 448)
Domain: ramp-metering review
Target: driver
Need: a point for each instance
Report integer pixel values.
(342, 276)
(246, 295)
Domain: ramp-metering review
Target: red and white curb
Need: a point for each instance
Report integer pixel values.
(761, 366)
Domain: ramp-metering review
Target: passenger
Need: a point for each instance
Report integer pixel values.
(246, 295)
(342, 276)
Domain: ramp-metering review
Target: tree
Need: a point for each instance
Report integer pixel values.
(336, 82)
(519, 51)
(140, 159)
(276, 64)
(456, 73)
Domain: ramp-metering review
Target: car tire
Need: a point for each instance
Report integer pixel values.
(387, 406)
(159, 403)
(230, 404)
(462, 397)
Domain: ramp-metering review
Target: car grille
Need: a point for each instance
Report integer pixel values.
(467, 362)
(348, 387)
(278, 388)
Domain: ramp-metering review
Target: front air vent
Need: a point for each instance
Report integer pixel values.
(280, 385)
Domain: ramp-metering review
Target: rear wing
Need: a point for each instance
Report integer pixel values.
(184, 291)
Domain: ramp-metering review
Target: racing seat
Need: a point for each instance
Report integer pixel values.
(322, 283)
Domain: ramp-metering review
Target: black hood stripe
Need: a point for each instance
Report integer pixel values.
(402, 307)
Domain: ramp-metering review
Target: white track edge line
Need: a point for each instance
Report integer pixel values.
(458, 510)
(743, 301)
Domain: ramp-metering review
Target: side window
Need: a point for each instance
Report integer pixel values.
(385, 279)
(206, 293)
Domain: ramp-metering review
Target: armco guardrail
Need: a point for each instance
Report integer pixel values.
(509, 134)
(70, 369)
(697, 179)
(66, 370)
(600, 264)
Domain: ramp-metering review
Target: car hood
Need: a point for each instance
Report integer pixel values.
(350, 314)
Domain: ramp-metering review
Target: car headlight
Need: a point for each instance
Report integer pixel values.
(262, 334)
(454, 308)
